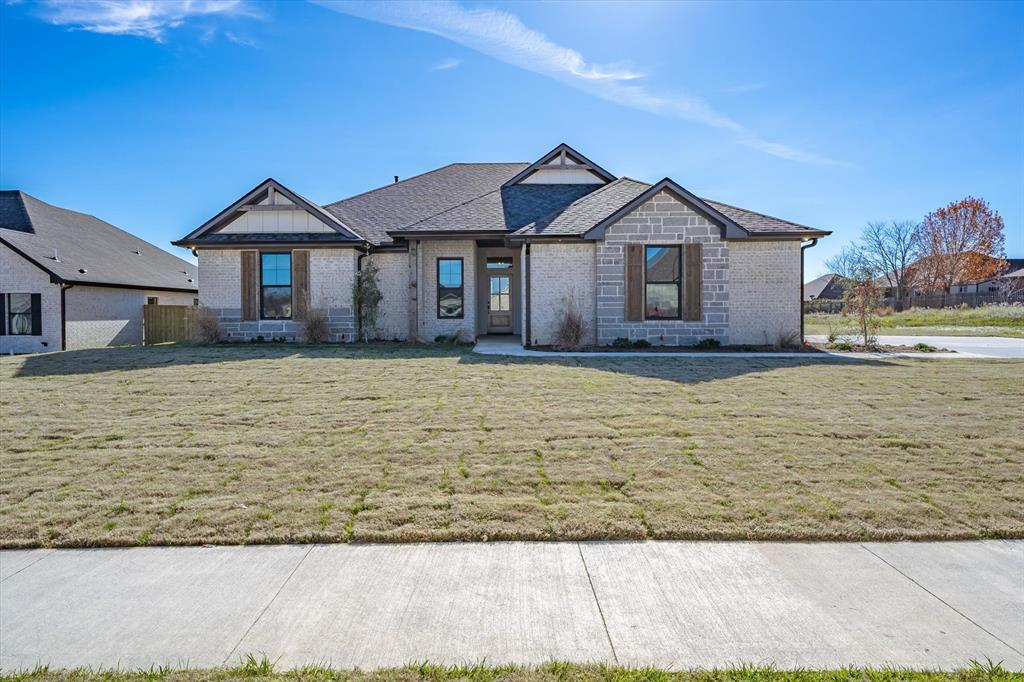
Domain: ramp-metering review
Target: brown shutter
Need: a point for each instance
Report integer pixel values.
(300, 284)
(250, 285)
(693, 280)
(634, 282)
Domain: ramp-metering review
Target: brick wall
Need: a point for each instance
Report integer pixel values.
(19, 276)
(764, 291)
(107, 316)
(663, 220)
(393, 282)
(558, 273)
(430, 325)
(331, 277)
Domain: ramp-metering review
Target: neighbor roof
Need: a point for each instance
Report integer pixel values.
(827, 287)
(89, 250)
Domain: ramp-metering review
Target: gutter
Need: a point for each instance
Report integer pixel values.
(63, 316)
(803, 248)
(526, 297)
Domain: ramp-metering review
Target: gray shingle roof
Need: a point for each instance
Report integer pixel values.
(826, 288)
(393, 207)
(108, 254)
(587, 211)
(759, 223)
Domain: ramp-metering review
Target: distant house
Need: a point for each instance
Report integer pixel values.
(826, 288)
(69, 280)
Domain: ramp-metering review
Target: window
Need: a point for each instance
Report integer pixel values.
(501, 295)
(195, 301)
(499, 262)
(449, 287)
(275, 286)
(152, 300)
(23, 314)
(663, 282)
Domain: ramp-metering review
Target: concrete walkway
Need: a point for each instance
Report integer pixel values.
(673, 604)
(962, 347)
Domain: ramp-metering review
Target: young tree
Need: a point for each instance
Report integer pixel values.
(366, 296)
(961, 242)
(893, 247)
(860, 288)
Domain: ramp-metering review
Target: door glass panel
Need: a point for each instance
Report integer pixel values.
(500, 294)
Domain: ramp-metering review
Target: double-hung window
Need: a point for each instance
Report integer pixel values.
(663, 282)
(449, 288)
(276, 286)
(21, 313)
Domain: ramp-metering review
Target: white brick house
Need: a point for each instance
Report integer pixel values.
(70, 281)
(506, 248)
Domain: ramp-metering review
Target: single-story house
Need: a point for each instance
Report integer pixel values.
(825, 288)
(69, 280)
(507, 248)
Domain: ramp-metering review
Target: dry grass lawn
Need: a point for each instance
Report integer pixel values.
(247, 444)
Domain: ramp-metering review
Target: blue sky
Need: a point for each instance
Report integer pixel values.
(155, 115)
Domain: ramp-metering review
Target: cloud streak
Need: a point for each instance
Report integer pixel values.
(446, 64)
(503, 36)
(143, 18)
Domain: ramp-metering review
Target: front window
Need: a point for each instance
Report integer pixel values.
(663, 282)
(276, 286)
(449, 287)
(19, 314)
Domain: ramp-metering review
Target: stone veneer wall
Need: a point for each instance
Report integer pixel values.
(664, 220)
(764, 292)
(331, 277)
(430, 325)
(559, 272)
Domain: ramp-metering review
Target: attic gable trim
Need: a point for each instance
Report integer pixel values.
(729, 228)
(254, 195)
(54, 279)
(560, 151)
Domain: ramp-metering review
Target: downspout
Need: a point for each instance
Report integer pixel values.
(526, 298)
(803, 248)
(63, 317)
(359, 306)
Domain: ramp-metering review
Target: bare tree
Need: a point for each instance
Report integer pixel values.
(859, 272)
(893, 247)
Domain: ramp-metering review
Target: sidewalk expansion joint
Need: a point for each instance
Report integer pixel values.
(597, 601)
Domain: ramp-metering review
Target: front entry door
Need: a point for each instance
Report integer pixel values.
(499, 304)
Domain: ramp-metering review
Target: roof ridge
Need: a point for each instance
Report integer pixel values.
(763, 215)
(559, 211)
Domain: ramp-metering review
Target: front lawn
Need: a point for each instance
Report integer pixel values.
(274, 443)
(994, 320)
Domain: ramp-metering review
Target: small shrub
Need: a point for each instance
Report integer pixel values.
(709, 344)
(621, 342)
(641, 343)
(314, 327)
(787, 340)
(924, 348)
(844, 346)
(208, 327)
(572, 327)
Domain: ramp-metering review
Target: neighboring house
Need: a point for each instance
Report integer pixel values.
(506, 248)
(992, 285)
(825, 288)
(69, 280)
(918, 279)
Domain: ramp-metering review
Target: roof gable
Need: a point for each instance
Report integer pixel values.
(262, 197)
(565, 159)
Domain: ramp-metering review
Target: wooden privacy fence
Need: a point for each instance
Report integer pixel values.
(164, 323)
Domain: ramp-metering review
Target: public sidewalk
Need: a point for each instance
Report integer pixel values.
(668, 604)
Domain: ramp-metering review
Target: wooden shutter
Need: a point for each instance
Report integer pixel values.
(250, 285)
(693, 281)
(37, 314)
(300, 284)
(634, 282)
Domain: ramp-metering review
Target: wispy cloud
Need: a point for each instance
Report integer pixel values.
(446, 64)
(503, 36)
(144, 18)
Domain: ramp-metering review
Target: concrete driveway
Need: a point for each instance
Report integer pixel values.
(985, 346)
(673, 604)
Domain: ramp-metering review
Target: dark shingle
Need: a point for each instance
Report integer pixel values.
(751, 221)
(582, 214)
(108, 254)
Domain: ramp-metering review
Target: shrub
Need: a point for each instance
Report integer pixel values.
(844, 346)
(787, 340)
(709, 344)
(572, 327)
(641, 343)
(314, 327)
(621, 342)
(207, 328)
(924, 348)
(366, 297)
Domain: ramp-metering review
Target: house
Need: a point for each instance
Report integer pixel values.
(825, 288)
(69, 280)
(506, 248)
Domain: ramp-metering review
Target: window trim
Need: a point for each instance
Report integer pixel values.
(679, 282)
(291, 285)
(461, 288)
(33, 323)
